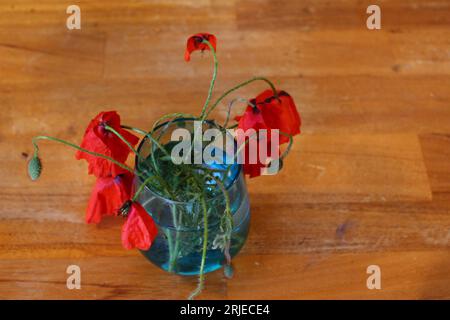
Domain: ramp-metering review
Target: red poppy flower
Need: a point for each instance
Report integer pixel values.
(98, 139)
(195, 42)
(272, 113)
(268, 112)
(139, 230)
(108, 196)
(254, 169)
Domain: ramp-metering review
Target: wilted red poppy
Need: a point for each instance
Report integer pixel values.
(139, 230)
(98, 139)
(279, 113)
(269, 112)
(108, 196)
(195, 42)
(254, 169)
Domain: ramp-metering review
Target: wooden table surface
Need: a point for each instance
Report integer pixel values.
(367, 183)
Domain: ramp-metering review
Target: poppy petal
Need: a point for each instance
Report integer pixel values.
(98, 139)
(108, 195)
(139, 230)
(195, 42)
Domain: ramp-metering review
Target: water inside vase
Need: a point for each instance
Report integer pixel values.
(178, 246)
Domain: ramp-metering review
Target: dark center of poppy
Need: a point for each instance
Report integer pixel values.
(102, 128)
(125, 208)
(118, 179)
(198, 39)
(254, 106)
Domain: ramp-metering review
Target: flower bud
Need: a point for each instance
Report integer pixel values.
(34, 168)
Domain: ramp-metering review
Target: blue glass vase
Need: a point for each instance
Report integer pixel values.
(178, 247)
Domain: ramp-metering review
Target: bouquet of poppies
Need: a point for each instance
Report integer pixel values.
(269, 121)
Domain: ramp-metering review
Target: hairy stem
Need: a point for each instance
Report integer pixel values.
(153, 140)
(114, 131)
(213, 80)
(174, 253)
(226, 93)
(288, 149)
(201, 278)
(142, 186)
(149, 136)
(95, 154)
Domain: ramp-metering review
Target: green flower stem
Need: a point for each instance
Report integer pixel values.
(213, 80)
(226, 93)
(229, 224)
(288, 149)
(142, 186)
(174, 253)
(172, 115)
(160, 179)
(201, 278)
(170, 244)
(149, 136)
(230, 105)
(95, 154)
(114, 131)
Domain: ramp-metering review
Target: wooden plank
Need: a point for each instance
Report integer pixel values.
(342, 276)
(38, 55)
(350, 168)
(334, 104)
(130, 277)
(404, 275)
(279, 228)
(436, 153)
(349, 14)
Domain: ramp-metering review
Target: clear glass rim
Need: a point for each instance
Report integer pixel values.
(156, 194)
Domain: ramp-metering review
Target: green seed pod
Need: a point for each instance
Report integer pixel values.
(35, 168)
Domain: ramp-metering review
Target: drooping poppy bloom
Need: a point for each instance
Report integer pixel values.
(98, 139)
(139, 229)
(195, 42)
(108, 195)
(269, 112)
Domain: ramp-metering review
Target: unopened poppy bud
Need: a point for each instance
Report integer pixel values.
(34, 168)
(125, 208)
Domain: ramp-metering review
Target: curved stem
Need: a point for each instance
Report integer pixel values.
(288, 149)
(95, 154)
(213, 79)
(158, 177)
(230, 105)
(114, 131)
(142, 186)
(201, 278)
(149, 136)
(171, 115)
(272, 86)
(173, 255)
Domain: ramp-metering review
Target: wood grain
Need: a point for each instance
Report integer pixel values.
(368, 181)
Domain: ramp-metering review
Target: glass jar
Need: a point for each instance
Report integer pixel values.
(178, 247)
